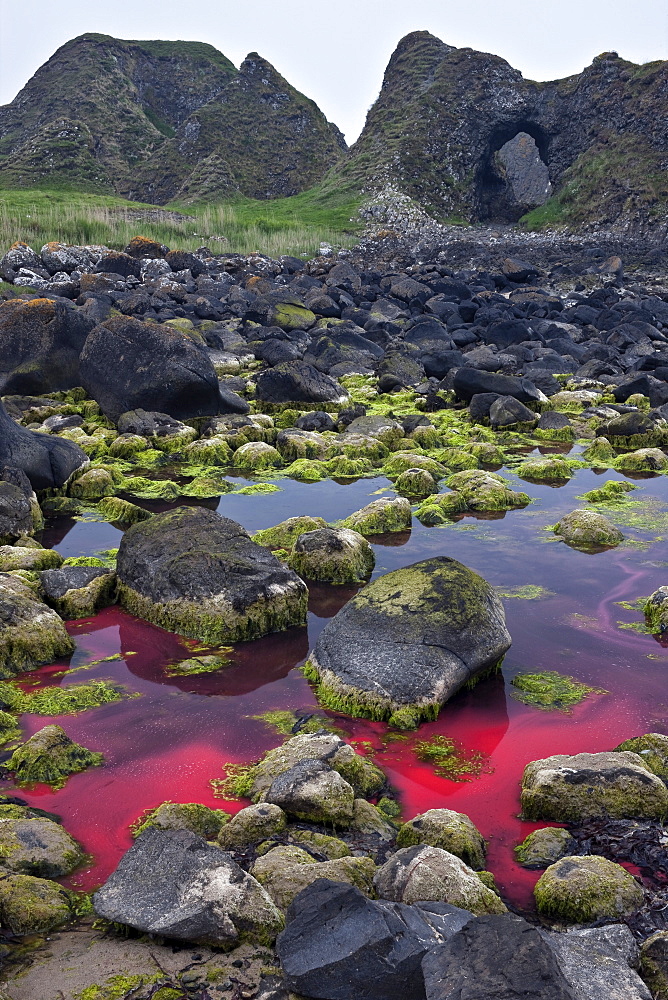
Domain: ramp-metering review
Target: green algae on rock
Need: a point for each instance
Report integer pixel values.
(30, 905)
(115, 509)
(581, 889)
(50, 757)
(193, 572)
(380, 516)
(550, 690)
(332, 555)
(285, 870)
(408, 641)
(656, 610)
(36, 845)
(287, 723)
(285, 534)
(652, 748)
(543, 847)
(196, 665)
(611, 494)
(252, 825)
(24, 557)
(257, 456)
(257, 489)
(653, 966)
(415, 482)
(643, 460)
(587, 529)
(68, 700)
(30, 633)
(451, 831)
(571, 789)
(191, 816)
(524, 592)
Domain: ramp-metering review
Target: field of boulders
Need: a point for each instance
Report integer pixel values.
(150, 375)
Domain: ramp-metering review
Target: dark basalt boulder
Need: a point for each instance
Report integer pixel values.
(508, 332)
(40, 344)
(298, 382)
(408, 641)
(199, 574)
(506, 411)
(495, 958)
(126, 364)
(340, 945)
(173, 883)
(630, 424)
(47, 461)
(470, 381)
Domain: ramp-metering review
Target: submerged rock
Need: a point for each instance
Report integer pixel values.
(587, 529)
(172, 883)
(199, 574)
(50, 756)
(30, 633)
(429, 873)
(578, 890)
(409, 641)
(571, 789)
(338, 943)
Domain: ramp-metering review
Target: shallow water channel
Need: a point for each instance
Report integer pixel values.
(168, 743)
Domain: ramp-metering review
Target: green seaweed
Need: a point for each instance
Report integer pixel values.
(524, 592)
(287, 723)
(59, 700)
(450, 759)
(258, 489)
(201, 664)
(549, 690)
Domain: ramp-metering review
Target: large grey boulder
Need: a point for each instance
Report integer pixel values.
(173, 883)
(409, 641)
(312, 791)
(295, 381)
(339, 945)
(599, 962)
(201, 575)
(40, 344)
(429, 873)
(47, 461)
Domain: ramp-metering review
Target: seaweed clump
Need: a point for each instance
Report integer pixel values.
(550, 690)
(50, 757)
(450, 759)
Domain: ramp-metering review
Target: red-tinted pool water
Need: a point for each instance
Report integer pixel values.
(168, 743)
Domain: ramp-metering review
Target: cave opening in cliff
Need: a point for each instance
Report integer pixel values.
(513, 175)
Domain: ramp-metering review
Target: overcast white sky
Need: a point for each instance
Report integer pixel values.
(336, 52)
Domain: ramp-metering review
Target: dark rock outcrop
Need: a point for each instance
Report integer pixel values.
(47, 461)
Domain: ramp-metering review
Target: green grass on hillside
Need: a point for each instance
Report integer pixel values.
(296, 225)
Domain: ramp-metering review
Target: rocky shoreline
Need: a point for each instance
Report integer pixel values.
(435, 361)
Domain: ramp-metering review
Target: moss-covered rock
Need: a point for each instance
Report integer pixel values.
(371, 821)
(600, 452)
(579, 890)
(191, 816)
(94, 483)
(314, 792)
(78, 591)
(37, 846)
(285, 534)
(209, 451)
(30, 905)
(359, 446)
(50, 756)
(654, 964)
(543, 468)
(30, 558)
(643, 460)
(252, 825)
(320, 843)
(656, 610)
(408, 641)
(652, 748)
(587, 529)
(30, 633)
(128, 446)
(332, 555)
(257, 456)
(416, 482)
(294, 444)
(429, 873)
(380, 516)
(401, 461)
(199, 574)
(449, 830)
(348, 468)
(307, 469)
(456, 459)
(285, 871)
(377, 425)
(611, 493)
(543, 847)
(573, 789)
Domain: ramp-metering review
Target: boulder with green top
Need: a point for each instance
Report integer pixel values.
(251, 825)
(386, 429)
(312, 791)
(415, 483)
(654, 964)
(192, 816)
(409, 641)
(365, 778)
(30, 905)
(24, 557)
(429, 873)
(256, 456)
(586, 529)
(321, 844)
(450, 831)
(545, 467)
(543, 847)
(295, 443)
(643, 460)
(78, 591)
(30, 633)
(49, 757)
(580, 890)
(573, 789)
(285, 871)
(199, 574)
(652, 748)
(402, 461)
(381, 516)
(37, 846)
(332, 555)
(175, 884)
(92, 485)
(656, 610)
(285, 534)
